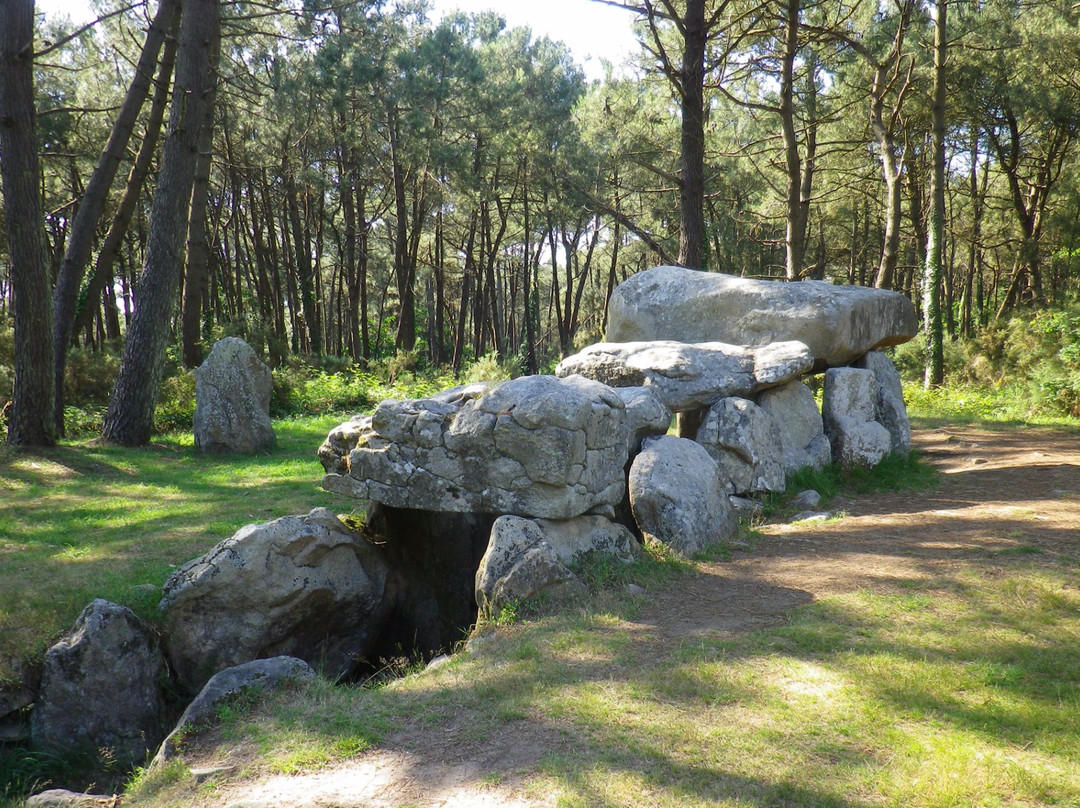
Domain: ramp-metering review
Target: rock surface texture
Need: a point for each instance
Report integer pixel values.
(849, 406)
(101, 687)
(535, 446)
(232, 401)
(802, 432)
(688, 377)
(746, 442)
(302, 586)
(646, 416)
(519, 564)
(890, 409)
(679, 495)
(263, 674)
(838, 323)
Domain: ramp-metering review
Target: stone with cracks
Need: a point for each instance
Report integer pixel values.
(838, 323)
(262, 674)
(62, 798)
(679, 495)
(646, 415)
(535, 446)
(848, 408)
(746, 442)
(802, 432)
(101, 687)
(519, 564)
(890, 409)
(302, 586)
(689, 377)
(232, 401)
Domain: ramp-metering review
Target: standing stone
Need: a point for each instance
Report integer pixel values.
(101, 687)
(848, 409)
(519, 564)
(838, 323)
(302, 586)
(679, 495)
(746, 442)
(890, 409)
(232, 401)
(802, 432)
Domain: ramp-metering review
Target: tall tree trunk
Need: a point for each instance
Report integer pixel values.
(692, 138)
(795, 238)
(130, 417)
(30, 422)
(81, 234)
(197, 268)
(405, 271)
(935, 254)
(102, 279)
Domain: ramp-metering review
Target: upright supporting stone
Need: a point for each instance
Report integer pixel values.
(890, 409)
(848, 409)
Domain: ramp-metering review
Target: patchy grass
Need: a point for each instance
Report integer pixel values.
(961, 691)
(87, 521)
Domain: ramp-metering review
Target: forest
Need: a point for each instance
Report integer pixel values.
(341, 182)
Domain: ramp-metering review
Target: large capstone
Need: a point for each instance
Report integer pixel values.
(101, 687)
(689, 377)
(232, 400)
(838, 323)
(302, 586)
(679, 495)
(535, 446)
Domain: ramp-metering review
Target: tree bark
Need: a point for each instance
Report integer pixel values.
(932, 320)
(130, 417)
(81, 237)
(30, 422)
(692, 137)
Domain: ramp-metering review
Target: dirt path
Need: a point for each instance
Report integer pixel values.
(1001, 491)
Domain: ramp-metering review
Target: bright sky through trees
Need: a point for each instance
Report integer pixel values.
(593, 31)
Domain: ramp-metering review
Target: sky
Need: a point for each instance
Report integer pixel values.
(593, 31)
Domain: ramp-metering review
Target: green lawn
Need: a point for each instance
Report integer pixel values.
(85, 521)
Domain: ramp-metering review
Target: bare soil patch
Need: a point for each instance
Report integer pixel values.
(1002, 493)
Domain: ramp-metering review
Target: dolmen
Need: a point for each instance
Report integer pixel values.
(489, 494)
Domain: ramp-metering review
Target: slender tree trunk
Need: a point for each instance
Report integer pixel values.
(81, 235)
(795, 239)
(109, 254)
(197, 267)
(30, 422)
(692, 138)
(932, 319)
(130, 418)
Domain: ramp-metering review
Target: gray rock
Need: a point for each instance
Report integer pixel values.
(646, 415)
(101, 687)
(811, 517)
(838, 323)
(890, 410)
(519, 564)
(745, 508)
(687, 377)
(232, 401)
(302, 586)
(806, 500)
(264, 674)
(678, 495)
(795, 412)
(573, 538)
(62, 798)
(848, 408)
(745, 440)
(535, 446)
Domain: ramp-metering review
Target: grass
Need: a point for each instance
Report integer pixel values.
(86, 521)
(959, 690)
